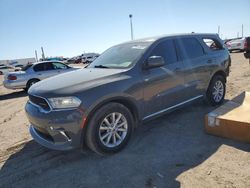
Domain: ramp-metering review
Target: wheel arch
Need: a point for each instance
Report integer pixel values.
(220, 73)
(126, 101)
(31, 80)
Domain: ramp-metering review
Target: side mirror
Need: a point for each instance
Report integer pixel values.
(154, 62)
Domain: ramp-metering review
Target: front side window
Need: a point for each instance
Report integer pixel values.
(166, 49)
(191, 48)
(57, 65)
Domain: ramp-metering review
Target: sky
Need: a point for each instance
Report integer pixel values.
(71, 27)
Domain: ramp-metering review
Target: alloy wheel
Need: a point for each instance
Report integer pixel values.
(218, 91)
(113, 129)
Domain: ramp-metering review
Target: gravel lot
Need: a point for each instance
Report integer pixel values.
(171, 151)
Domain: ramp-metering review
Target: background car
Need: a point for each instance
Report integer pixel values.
(32, 73)
(18, 67)
(89, 58)
(247, 44)
(5, 69)
(239, 44)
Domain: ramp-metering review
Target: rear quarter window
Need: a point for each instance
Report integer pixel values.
(212, 44)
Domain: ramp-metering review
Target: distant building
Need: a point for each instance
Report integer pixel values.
(14, 62)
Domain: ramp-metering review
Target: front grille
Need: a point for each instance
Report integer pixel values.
(40, 102)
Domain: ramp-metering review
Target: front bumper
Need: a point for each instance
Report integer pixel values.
(59, 130)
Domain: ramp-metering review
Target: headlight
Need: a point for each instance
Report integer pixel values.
(64, 102)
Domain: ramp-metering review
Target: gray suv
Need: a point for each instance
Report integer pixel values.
(128, 84)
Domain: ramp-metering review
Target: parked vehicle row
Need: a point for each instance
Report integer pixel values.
(32, 73)
(84, 58)
(5, 69)
(130, 83)
(239, 44)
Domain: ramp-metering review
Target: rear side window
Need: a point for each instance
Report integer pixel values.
(212, 44)
(191, 48)
(43, 67)
(26, 67)
(166, 49)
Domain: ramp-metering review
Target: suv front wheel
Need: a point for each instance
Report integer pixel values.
(216, 90)
(109, 129)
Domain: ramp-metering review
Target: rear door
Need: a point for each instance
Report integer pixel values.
(163, 86)
(44, 70)
(196, 62)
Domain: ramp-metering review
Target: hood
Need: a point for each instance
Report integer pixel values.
(75, 81)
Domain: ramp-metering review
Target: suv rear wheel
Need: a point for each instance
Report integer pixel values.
(109, 129)
(216, 91)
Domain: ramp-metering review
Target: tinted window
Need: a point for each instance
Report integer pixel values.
(191, 47)
(212, 44)
(166, 49)
(26, 67)
(43, 67)
(57, 65)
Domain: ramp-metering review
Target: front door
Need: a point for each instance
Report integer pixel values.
(163, 86)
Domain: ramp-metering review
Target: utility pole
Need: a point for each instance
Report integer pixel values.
(43, 56)
(36, 56)
(131, 26)
(218, 30)
(242, 30)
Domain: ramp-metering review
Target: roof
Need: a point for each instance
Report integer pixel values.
(46, 62)
(155, 38)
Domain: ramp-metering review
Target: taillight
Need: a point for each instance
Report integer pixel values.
(245, 44)
(12, 77)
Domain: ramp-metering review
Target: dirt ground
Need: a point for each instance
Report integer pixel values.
(171, 151)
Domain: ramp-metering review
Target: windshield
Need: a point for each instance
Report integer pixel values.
(120, 56)
(26, 67)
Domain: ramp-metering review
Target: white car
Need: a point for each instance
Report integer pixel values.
(237, 44)
(5, 69)
(89, 58)
(32, 73)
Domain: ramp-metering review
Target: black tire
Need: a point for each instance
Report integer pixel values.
(211, 92)
(30, 83)
(93, 132)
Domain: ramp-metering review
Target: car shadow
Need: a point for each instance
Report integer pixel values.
(13, 95)
(158, 153)
(237, 51)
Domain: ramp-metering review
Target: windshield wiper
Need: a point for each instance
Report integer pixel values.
(101, 66)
